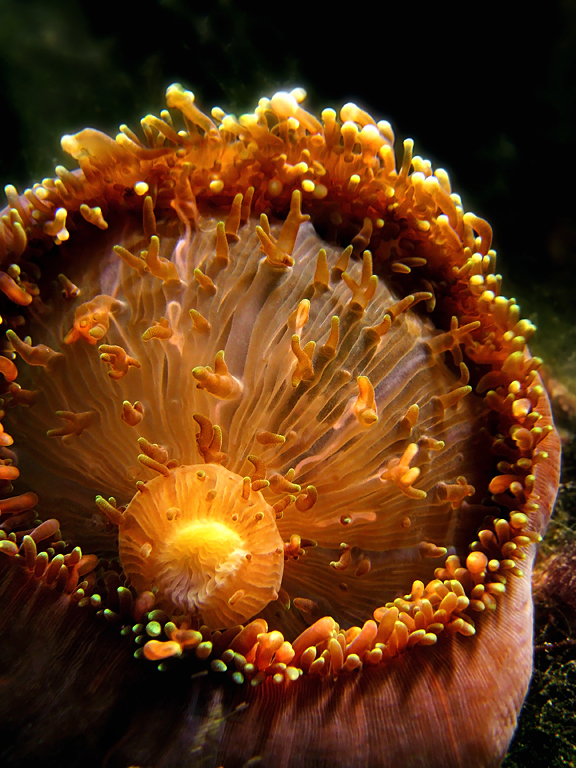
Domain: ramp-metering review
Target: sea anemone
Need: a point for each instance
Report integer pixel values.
(320, 449)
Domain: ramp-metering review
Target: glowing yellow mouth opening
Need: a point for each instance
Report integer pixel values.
(204, 542)
(207, 545)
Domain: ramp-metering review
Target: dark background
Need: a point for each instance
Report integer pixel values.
(486, 90)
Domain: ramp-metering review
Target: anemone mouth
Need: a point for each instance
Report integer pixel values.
(379, 397)
(205, 543)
